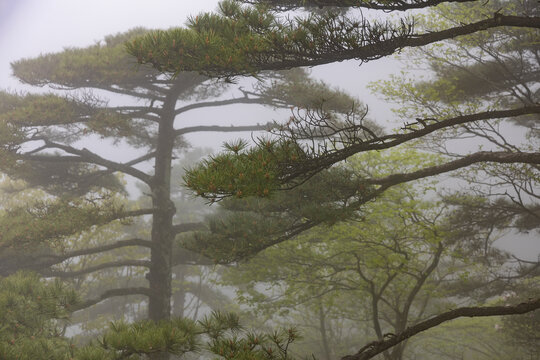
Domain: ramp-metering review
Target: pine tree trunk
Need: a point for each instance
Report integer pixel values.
(160, 276)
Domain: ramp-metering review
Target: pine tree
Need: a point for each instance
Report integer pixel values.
(44, 140)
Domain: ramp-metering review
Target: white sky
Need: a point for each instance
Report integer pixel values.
(31, 27)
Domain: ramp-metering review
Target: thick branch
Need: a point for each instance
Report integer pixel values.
(112, 293)
(377, 347)
(91, 269)
(481, 156)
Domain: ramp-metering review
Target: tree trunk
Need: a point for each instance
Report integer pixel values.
(160, 275)
(159, 307)
(324, 334)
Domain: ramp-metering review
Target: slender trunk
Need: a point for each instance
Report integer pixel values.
(375, 318)
(179, 296)
(324, 334)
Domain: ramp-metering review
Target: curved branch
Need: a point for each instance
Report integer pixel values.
(112, 293)
(86, 155)
(91, 269)
(374, 348)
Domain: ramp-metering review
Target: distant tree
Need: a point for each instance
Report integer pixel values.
(484, 71)
(403, 262)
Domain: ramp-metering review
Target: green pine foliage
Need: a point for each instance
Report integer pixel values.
(246, 226)
(240, 39)
(32, 314)
(53, 219)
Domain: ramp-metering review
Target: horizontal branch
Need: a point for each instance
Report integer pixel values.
(91, 269)
(112, 293)
(133, 213)
(377, 347)
(41, 262)
(241, 100)
(103, 248)
(218, 128)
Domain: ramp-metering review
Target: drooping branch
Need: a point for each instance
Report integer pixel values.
(112, 293)
(290, 162)
(374, 348)
(91, 269)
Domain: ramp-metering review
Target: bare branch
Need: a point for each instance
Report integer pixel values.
(86, 155)
(374, 348)
(481, 156)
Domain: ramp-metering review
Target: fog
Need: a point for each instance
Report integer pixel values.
(323, 255)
